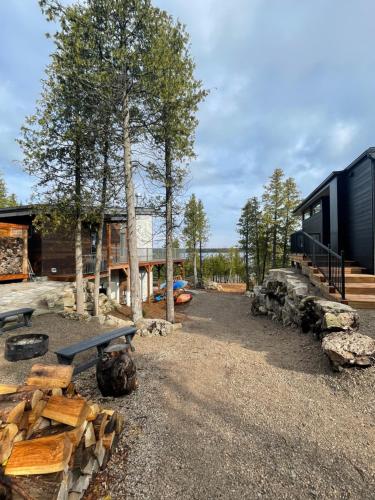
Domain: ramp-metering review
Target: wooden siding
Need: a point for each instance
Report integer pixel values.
(358, 217)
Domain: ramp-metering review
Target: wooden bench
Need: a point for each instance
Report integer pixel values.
(65, 356)
(26, 314)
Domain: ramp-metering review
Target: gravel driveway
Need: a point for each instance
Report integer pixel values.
(239, 407)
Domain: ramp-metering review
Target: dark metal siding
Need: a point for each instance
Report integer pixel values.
(314, 225)
(359, 214)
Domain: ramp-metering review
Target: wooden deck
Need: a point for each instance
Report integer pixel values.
(359, 286)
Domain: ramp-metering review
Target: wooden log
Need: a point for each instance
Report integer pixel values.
(29, 397)
(90, 439)
(81, 484)
(7, 436)
(94, 411)
(99, 452)
(100, 424)
(40, 424)
(70, 391)
(50, 375)
(8, 389)
(39, 487)
(107, 440)
(116, 372)
(36, 412)
(21, 435)
(66, 410)
(81, 457)
(24, 424)
(75, 434)
(40, 456)
(11, 412)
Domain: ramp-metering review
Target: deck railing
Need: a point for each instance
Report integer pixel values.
(329, 263)
(89, 264)
(120, 256)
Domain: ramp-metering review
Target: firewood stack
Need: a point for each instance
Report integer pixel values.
(52, 440)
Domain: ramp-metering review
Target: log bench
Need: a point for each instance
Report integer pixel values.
(65, 356)
(26, 314)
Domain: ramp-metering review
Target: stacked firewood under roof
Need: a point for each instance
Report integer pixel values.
(52, 440)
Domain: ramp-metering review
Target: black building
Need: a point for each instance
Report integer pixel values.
(339, 213)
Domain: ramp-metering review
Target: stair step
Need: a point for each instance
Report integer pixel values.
(359, 278)
(361, 301)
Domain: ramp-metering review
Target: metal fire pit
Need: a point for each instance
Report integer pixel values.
(26, 346)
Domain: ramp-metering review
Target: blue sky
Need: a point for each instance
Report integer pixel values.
(291, 83)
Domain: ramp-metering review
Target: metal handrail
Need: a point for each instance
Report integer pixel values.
(329, 263)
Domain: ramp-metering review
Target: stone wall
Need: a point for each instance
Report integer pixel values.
(285, 297)
(11, 252)
(106, 305)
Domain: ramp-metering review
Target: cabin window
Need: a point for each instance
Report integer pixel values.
(94, 241)
(306, 215)
(316, 208)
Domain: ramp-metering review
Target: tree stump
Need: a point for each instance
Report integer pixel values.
(116, 371)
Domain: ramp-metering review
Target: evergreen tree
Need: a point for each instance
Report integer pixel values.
(249, 228)
(273, 208)
(195, 230)
(173, 96)
(6, 199)
(291, 199)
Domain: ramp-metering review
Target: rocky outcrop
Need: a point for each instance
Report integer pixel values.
(212, 285)
(285, 297)
(154, 327)
(106, 305)
(348, 349)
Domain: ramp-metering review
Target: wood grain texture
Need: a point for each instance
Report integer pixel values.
(40, 456)
(65, 410)
(52, 376)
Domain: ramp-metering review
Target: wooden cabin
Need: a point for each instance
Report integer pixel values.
(13, 251)
(52, 254)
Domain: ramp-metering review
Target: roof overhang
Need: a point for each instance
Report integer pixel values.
(318, 192)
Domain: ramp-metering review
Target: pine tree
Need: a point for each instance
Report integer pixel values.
(291, 198)
(249, 228)
(173, 96)
(203, 234)
(273, 207)
(6, 199)
(195, 230)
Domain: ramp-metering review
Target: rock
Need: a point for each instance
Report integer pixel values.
(212, 285)
(154, 327)
(117, 322)
(349, 349)
(176, 326)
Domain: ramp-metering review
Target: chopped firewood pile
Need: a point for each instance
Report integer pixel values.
(52, 440)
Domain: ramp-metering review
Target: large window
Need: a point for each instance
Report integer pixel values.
(316, 208)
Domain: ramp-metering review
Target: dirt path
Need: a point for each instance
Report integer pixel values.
(239, 407)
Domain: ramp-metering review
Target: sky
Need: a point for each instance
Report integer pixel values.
(291, 85)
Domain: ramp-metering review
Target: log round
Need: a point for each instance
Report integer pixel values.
(116, 371)
(26, 346)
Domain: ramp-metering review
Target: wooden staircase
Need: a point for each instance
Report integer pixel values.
(359, 287)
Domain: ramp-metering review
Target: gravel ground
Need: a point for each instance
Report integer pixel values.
(233, 407)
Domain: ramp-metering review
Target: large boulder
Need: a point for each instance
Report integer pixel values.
(348, 349)
(154, 327)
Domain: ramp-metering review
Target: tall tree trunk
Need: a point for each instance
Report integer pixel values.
(169, 231)
(135, 299)
(99, 246)
(247, 262)
(274, 240)
(200, 263)
(78, 233)
(195, 265)
(285, 246)
(80, 302)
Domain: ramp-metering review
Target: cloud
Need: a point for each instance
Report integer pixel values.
(291, 85)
